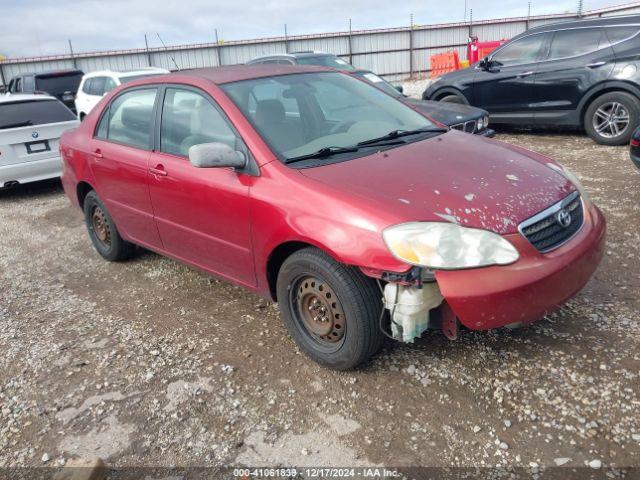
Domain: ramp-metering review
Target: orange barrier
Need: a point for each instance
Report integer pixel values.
(444, 63)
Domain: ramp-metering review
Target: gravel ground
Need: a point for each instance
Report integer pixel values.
(152, 363)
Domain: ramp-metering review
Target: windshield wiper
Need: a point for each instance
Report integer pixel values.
(402, 133)
(323, 152)
(16, 125)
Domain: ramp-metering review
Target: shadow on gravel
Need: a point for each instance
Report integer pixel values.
(19, 192)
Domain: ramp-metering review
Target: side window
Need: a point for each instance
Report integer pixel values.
(103, 126)
(109, 84)
(188, 119)
(97, 86)
(523, 50)
(570, 43)
(617, 34)
(29, 85)
(131, 117)
(86, 86)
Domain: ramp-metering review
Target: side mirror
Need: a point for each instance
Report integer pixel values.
(485, 63)
(400, 88)
(216, 155)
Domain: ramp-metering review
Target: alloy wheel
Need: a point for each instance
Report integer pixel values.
(611, 120)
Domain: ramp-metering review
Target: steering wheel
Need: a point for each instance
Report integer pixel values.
(342, 127)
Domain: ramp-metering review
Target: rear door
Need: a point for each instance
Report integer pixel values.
(576, 60)
(31, 130)
(505, 89)
(118, 157)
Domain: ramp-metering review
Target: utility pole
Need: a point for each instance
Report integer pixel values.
(528, 15)
(580, 6)
(73, 58)
(286, 42)
(146, 46)
(218, 48)
(411, 46)
(350, 45)
(464, 19)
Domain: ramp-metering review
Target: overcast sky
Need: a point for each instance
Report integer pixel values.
(42, 27)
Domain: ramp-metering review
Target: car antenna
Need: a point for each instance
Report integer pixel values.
(167, 50)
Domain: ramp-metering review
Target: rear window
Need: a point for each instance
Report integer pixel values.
(35, 112)
(58, 83)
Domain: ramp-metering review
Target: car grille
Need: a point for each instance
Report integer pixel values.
(468, 127)
(556, 225)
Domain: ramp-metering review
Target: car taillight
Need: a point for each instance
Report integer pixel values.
(635, 143)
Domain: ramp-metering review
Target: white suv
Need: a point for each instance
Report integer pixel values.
(95, 84)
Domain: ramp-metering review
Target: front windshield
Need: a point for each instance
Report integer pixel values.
(326, 61)
(300, 114)
(380, 83)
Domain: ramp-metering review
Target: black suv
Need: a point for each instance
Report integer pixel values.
(305, 58)
(62, 84)
(582, 73)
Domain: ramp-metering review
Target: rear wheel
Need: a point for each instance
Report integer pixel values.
(611, 118)
(331, 310)
(103, 232)
(453, 98)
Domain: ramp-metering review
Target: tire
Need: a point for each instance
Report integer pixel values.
(453, 98)
(599, 113)
(347, 333)
(103, 232)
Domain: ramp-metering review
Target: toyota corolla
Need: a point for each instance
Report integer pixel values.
(357, 214)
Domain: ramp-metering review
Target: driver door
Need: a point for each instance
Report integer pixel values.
(505, 87)
(202, 214)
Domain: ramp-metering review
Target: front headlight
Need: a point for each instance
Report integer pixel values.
(486, 121)
(446, 246)
(568, 174)
(480, 123)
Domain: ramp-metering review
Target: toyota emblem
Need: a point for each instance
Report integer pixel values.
(564, 218)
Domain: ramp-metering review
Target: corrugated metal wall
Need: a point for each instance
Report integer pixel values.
(394, 53)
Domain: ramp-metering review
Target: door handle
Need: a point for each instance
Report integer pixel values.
(596, 64)
(97, 153)
(525, 74)
(158, 170)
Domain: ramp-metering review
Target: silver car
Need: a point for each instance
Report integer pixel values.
(30, 130)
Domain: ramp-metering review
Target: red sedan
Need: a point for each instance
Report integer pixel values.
(359, 215)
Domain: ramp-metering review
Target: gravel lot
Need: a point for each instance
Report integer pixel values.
(152, 363)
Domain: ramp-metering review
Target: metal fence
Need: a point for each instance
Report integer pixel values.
(394, 52)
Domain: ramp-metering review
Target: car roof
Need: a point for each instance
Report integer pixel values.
(23, 97)
(126, 73)
(590, 22)
(293, 55)
(235, 73)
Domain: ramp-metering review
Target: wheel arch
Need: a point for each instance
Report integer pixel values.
(444, 91)
(82, 189)
(280, 253)
(602, 89)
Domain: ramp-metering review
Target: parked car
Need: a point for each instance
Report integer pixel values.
(577, 74)
(318, 190)
(322, 59)
(461, 117)
(30, 129)
(94, 85)
(62, 84)
(634, 151)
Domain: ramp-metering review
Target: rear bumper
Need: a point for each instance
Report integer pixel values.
(527, 290)
(635, 160)
(31, 171)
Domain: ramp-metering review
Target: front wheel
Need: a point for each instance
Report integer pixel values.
(453, 98)
(331, 310)
(611, 118)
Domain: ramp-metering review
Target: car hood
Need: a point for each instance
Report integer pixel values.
(454, 177)
(446, 112)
